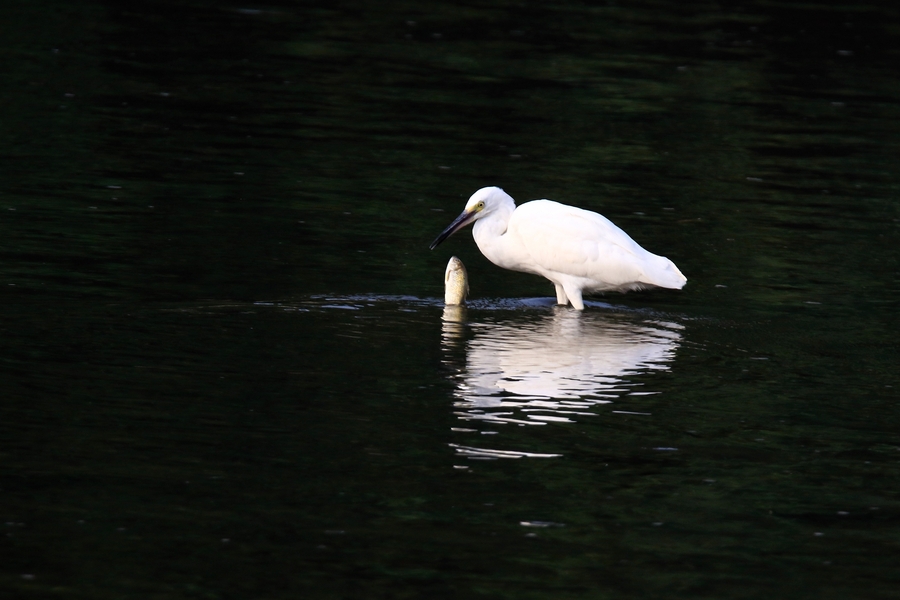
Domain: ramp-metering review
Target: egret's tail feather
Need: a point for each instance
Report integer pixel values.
(667, 275)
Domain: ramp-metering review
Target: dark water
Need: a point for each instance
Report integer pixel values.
(227, 371)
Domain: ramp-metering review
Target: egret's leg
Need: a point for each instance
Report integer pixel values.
(574, 295)
(561, 295)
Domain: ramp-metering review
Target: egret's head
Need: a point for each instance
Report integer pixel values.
(482, 203)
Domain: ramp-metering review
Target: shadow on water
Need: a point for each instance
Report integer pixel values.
(528, 369)
(534, 371)
(526, 361)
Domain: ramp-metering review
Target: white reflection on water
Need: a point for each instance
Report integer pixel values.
(555, 367)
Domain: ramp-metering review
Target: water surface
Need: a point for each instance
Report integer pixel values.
(227, 371)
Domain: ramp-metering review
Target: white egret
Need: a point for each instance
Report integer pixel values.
(578, 250)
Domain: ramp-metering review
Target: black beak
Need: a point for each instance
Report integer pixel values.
(461, 221)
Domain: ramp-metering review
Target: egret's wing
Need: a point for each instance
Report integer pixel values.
(581, 243)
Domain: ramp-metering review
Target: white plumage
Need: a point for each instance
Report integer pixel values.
(578, 250)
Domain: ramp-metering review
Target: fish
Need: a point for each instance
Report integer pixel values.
(456, 283)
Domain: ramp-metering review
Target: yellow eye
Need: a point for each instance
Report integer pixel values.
(480, 205)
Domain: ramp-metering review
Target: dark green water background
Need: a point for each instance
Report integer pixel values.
(224, 365)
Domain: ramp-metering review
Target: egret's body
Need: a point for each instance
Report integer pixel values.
(578, 250)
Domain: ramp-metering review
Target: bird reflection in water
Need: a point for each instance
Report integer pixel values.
(554, 368)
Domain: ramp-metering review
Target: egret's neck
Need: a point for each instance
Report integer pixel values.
(489, 233)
